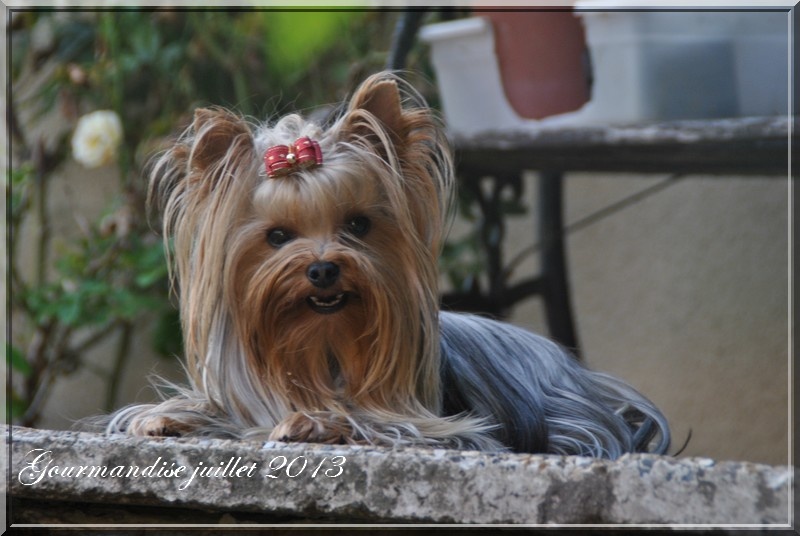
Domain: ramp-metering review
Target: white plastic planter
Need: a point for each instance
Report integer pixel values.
(468, 75)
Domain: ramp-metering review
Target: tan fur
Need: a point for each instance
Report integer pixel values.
(260, 360)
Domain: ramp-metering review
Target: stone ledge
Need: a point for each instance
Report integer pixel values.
(335, 484)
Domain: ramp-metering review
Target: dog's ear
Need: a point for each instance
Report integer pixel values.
(216, 133)
(376, 100)
(389, 118)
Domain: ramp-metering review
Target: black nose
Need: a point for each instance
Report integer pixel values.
(322, 274)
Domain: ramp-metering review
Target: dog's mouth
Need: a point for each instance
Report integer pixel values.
(326, 305)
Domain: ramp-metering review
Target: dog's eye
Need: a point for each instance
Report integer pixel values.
(278, 237)
(358, 226)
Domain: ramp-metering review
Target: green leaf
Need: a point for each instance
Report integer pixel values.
(18, 406)
(18, 361)
(69, 310)
(148, 279)
(167, 335)
(128, 305)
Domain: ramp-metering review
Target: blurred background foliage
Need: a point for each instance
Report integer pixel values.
(70, 292)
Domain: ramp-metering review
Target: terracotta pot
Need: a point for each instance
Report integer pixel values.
(542, 60)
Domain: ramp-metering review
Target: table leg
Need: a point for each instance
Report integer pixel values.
(555, 284)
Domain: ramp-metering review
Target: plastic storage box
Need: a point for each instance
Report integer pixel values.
(663, 65)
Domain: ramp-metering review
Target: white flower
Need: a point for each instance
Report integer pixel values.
(97, 138)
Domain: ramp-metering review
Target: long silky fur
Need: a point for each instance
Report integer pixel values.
(543, 399)
(392, 369)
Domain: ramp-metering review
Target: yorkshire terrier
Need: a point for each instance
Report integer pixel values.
(305, 258)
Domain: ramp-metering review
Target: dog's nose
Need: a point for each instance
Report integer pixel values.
(322, 274)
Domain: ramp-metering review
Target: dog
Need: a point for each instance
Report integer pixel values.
(305, 260)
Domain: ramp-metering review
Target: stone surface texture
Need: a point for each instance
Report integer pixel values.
(332, 484)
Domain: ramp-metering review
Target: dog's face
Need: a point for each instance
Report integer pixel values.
(326, 274)
(322, 250)
(321, 270)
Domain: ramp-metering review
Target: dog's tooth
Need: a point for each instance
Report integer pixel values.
(327, 302)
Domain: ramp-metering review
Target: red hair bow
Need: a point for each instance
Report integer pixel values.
(281, 160)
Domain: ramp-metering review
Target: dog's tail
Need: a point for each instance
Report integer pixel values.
(543, 400)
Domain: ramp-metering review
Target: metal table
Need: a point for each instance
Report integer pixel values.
(741, 146)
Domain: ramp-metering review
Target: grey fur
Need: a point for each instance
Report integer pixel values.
(540, 397)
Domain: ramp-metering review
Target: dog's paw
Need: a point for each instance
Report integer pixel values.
(158, 427)
(318, 427)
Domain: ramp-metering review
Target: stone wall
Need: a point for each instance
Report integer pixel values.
(78, 478)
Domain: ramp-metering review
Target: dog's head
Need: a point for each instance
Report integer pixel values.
(323, 266)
